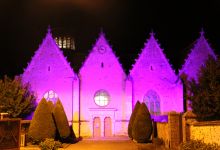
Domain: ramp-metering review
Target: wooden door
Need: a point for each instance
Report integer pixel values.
(108, 127)
(96, 127)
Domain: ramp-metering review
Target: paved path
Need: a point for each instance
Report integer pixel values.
(113, 143)
(103, 145)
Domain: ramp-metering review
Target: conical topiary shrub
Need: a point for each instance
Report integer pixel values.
(61, 120)
(50, 105)
(142, 127)
(42, 125)
(132, 118)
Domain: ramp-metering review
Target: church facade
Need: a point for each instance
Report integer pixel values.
(155, 82)
(98, 100)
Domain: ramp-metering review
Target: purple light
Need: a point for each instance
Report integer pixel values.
(102, 92)
(197, 57)
(49, 71)
(152, 72)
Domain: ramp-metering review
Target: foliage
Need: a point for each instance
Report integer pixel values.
(16, 98)
(42, 125)
(50, 144)
(142, 127)
(204, 94)
(61, 120)
(198, 145)
(132, 118)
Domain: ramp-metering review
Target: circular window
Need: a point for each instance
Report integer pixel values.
(51, 95)
(102, 98)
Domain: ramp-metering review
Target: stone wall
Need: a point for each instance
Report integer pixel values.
(170, 132)
(184, 127)
(162, 132)
(208, 131)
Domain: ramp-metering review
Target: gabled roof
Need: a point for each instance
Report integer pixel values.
(197, 57)
(48, 46)
(152, 54)
(106, 53)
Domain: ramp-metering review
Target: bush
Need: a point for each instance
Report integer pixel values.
(16, 98)
(50, 144)
(132, 118)
(42, 125)
(142, 127)
(198, 145)
(61, 120)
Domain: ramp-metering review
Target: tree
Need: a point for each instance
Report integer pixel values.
(132, 118)
(16, 98)
(42, 125)
(142, 127)
(205, 93)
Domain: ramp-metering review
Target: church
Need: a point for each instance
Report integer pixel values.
(99, 99)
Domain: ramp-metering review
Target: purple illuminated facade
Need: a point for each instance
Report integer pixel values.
(197, 57)
(51, 76)
(155, 82)
(102, 92)
(100, 98)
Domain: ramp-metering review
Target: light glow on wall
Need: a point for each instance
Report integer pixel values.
(197, 57)
(152, 72)
(105, 90)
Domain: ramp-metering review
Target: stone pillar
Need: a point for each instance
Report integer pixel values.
(175, 129)
(187, 117)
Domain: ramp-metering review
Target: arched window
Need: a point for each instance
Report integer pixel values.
(102, 98)
(51, 95)
(152, 100)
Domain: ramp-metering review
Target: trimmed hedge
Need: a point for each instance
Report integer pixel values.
(142, 127)
(42, 125)
(50, 105)
(61, 120)
(132, 118)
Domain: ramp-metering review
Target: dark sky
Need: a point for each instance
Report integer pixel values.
(126, 23)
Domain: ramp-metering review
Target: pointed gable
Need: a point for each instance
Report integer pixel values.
(153, 60)
(197, 57)
(102, 56)
(48, 58)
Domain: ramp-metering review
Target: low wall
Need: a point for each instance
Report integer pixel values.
(163, 132)
(170, 132)
(208, 131)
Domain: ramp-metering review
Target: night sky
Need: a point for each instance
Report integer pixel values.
(126, 24)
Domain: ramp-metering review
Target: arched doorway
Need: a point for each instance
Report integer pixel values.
(96, 127)
(107, 127)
